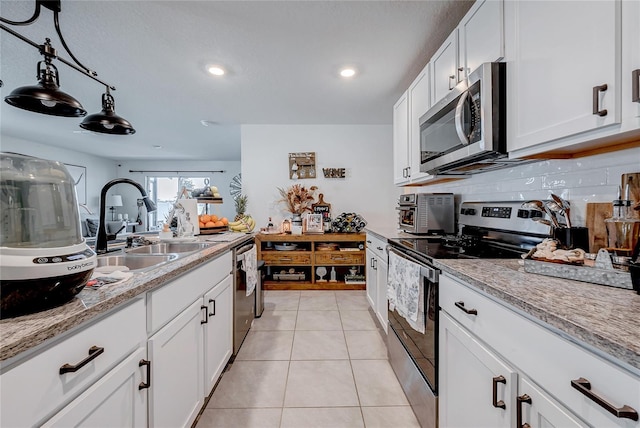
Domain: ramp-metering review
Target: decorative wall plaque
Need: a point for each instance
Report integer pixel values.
(302, 165)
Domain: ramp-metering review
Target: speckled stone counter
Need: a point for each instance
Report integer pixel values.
(26, 333)
(606, 318)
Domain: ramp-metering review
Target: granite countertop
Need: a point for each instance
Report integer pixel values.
(606, 318)
(25, 333)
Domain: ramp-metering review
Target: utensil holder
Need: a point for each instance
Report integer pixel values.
(572, 237)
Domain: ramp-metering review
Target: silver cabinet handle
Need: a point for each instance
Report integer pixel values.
(596, 100)
(452, 78)
(460, 70)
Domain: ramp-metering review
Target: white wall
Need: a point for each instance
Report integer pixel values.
(99, 170)
(220, 180)
(587, 179)
(365, 151)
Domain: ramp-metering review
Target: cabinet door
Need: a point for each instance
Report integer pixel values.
(419, 103)
(372, 280)
(381, 305)
(476, 388)
(444, 64)
(218, 335)
(630, 64)
(481, 35)
(539, 410)
(113, 401)
(176, 352)
(401, 140)
(563, 53)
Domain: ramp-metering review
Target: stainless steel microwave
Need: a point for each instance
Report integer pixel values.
(465, 132)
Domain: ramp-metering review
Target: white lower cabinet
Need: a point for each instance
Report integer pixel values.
(538, 409)
(177, 372)
(377, 268)
(37, 386)
(118, 399)
(560, 382)
(476, 388)
(191, 350)
(218, 337)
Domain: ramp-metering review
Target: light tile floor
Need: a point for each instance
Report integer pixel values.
(314, 359)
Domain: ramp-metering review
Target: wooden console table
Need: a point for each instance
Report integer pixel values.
(296, 262)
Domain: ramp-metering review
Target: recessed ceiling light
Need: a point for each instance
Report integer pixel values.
(208, 122)
(156, 147)
(215, 70)
(347, 72)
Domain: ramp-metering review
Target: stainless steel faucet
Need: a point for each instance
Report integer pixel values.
(102, 237)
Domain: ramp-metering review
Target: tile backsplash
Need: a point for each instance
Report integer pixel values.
(581, 180)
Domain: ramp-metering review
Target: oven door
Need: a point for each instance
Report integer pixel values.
(407, 218)
(421, 347)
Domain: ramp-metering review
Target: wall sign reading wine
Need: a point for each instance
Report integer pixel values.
(302, 165)
(333, 172)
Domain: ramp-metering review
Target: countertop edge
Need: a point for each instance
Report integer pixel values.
(109, 299)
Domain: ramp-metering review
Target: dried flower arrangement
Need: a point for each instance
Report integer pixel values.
(297, 198)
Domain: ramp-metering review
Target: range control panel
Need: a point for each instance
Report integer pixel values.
(503, 215)
(498, 212)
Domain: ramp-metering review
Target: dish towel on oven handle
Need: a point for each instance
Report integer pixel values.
(404, 291)
(250, 267)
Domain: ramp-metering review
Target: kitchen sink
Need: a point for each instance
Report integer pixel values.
(135, 262)
(169, 247)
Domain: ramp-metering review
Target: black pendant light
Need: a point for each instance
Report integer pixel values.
(107, 121)
(46, 97)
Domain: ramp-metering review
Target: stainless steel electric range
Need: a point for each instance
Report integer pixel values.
(486, 230)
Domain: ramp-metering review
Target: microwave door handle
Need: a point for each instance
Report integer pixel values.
(459, 118)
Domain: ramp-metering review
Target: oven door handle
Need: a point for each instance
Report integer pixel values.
(240, 255)
(426, 271)
(464, 138)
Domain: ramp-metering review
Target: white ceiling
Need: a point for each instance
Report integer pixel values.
(282, 59)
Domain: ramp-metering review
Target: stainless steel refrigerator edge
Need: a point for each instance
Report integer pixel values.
(243, 305)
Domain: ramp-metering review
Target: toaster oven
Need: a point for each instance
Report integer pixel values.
(426, 213)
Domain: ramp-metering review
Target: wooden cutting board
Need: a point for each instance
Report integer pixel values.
(597, 212)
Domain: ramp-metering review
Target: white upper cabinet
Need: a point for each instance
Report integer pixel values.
(444, 63)
(564, 76)
(630, 65)
(481, 36)
(401, 140)
(419, 103)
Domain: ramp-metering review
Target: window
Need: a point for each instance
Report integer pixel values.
(164, 191)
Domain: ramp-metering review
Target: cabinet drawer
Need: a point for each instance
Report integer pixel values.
(377, 246)
(340, 258)
(168, 301)
(34, 389)
(286, 258)
(551, 360)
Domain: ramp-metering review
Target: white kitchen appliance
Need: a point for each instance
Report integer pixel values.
(44, 260)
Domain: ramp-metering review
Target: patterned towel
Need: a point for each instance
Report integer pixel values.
(250, 267)
(405, 291)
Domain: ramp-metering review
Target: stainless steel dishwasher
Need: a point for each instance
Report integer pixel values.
(243, 305)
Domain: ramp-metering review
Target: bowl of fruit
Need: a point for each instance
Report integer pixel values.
(211, 223)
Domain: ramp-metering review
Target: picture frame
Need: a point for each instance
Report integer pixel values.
(302, 165)
(314, 223)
